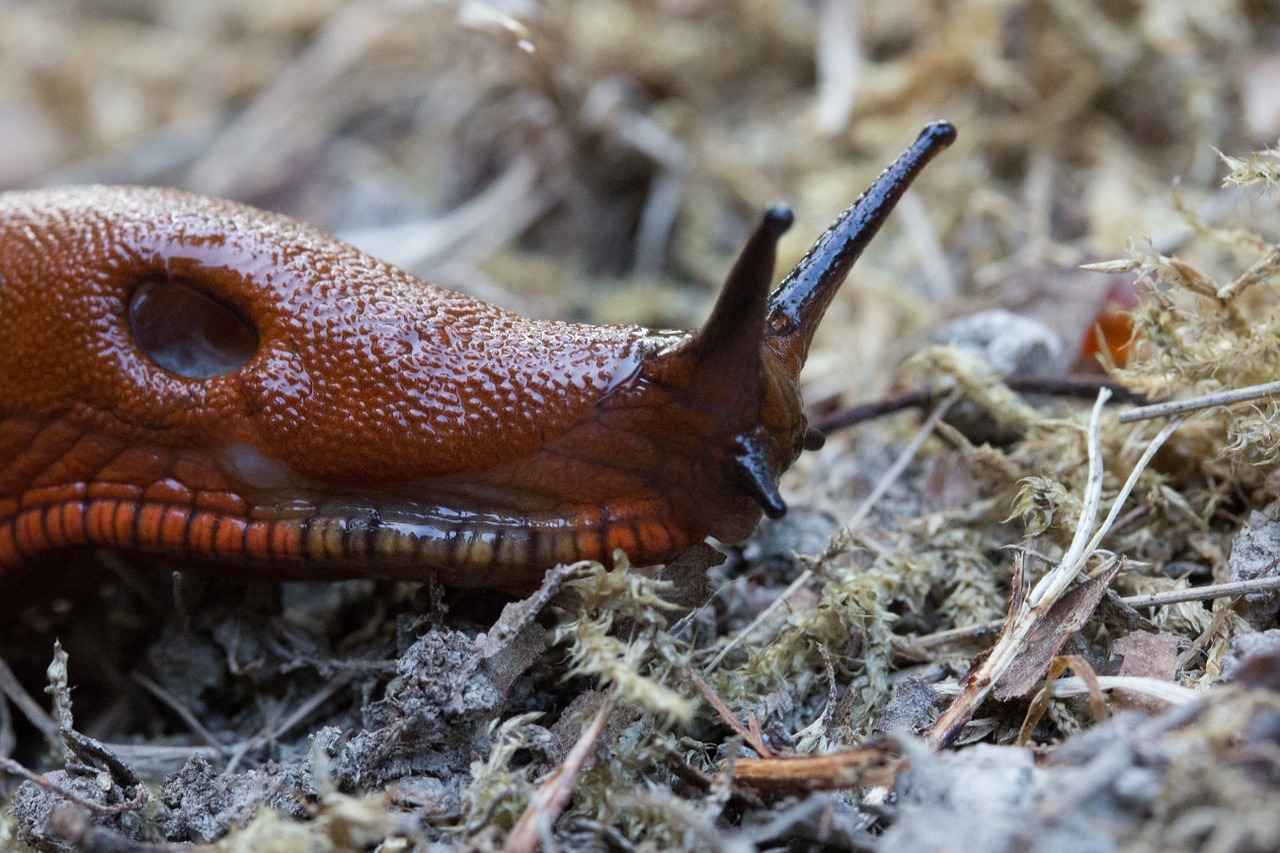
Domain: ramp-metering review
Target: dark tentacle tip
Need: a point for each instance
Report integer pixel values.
(778, 218)
(754, 474)
(814, 439)
(774, 506)
(938, 134)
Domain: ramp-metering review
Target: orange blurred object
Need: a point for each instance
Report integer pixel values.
(1113, 325)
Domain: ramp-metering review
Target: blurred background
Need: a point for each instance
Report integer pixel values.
(603, 160)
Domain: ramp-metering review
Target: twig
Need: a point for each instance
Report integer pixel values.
(904, 459)
(550, 799)
(1056, 580)
(868, 766)
(8, 765)
(59, 690)
(751, 736)
(890, 477)
(174, 704)
(1218, 398)
(1131, 483)
(1204, 593)
(849, 416)
(1026, 615)
(967, 632)
(1057, 386)
(1138, 602)
(299, 714)
(13, 690)
(1083, 387)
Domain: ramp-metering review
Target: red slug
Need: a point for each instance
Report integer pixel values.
(186, 376)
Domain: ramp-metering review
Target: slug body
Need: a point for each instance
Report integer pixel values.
(191, 377)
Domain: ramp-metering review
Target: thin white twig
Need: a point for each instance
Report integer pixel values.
(1218, 398)
(1137, 602)
(1058, 578)
(1168, 691)
(1129, 484)
(1025, 616)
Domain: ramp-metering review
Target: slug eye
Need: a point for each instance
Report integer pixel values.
(189, 331)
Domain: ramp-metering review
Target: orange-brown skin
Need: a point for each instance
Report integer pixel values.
(377, 425)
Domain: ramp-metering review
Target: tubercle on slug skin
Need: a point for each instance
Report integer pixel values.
(339, 417)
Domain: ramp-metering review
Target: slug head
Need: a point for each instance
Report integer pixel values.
(736, 382)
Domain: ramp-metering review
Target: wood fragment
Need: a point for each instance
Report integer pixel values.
(869, 766)
(1205, 401)
(752, 735)
(1050, 633)
(553, 795)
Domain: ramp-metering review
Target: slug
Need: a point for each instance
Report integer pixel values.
(193, 378)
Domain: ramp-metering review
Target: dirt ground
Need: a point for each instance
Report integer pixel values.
(1000, 615)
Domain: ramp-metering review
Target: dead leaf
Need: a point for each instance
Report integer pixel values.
(1051, 633)
(516, 640)
(1148, 655)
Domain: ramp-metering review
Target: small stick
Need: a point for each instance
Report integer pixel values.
(1218, 398)
(550, 799)
(1203, 593)
(1085, 387)
(299, 714)
(175, 704)
(13, 690)
(1056, 580)
(867, 766)
(8, 765)
(1138, 602)
(750, 736)
(59, 689)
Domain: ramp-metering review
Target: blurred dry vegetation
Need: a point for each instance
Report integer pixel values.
(603, 160)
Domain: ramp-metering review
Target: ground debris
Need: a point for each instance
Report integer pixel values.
(43, 813)
(203, 805)
(1254, 659)
(909, 709)
(1255, 553)
(433, 719)
(1120, 785)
